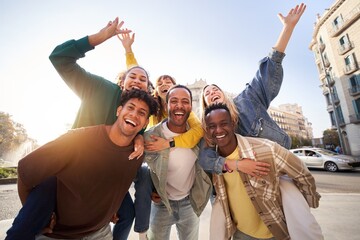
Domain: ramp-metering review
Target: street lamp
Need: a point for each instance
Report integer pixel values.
(329, 83)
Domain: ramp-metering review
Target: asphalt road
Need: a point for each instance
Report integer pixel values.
(327, 182)
(337, 215)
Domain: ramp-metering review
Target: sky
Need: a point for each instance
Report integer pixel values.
(218, 41)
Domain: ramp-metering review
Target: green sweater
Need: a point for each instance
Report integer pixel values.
(99, 97)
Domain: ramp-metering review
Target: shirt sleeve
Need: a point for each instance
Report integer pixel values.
(130, 60)
(209, 159)
(84, 84)
(191, 137)
(266, 84)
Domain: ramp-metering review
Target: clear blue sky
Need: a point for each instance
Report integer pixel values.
(220, 41)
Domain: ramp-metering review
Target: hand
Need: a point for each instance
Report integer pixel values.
(158, 144)
(155, 197)
(293, 16)
(50, 227)
(138, 147)
(114, 219)
(127, 41)
(111, 29)
(251, 167)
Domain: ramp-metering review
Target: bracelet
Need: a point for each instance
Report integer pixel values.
(236, 163)
(227, 168)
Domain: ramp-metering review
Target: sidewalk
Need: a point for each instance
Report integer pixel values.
(338, 216)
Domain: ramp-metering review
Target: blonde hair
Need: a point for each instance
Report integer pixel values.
(228, 101)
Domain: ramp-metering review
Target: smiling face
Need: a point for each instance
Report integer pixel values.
(220, 129)
(213, 94)
(179, 108)
(132, 117)
(163, 84)
(136, 78)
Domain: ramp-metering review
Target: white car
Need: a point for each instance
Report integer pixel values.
(325, 159)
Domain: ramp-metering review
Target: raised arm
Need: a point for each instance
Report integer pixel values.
(289, 22)
(127, 41)
(64, 58)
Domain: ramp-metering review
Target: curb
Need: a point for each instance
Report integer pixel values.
(8, 180)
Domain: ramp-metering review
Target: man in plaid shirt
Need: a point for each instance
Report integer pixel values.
(252, 205)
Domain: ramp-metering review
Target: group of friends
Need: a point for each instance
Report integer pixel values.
(134, 132)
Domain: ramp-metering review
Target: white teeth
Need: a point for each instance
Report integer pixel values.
(221, 136)
(215, 98)
(179, 113)
(134, 87)
(130, 122)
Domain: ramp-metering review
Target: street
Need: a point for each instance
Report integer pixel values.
(338, 213)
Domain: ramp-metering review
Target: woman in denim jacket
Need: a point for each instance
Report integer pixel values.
(249, 111)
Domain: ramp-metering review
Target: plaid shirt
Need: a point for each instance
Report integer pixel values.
(265, 192)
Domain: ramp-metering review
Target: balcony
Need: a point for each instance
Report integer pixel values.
(322, 75)
(345, 48)
(354, 90)
(354, 118)
(326, 63)
(350, 68)
(348, 20)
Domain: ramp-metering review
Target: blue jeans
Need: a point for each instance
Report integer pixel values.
(36, 212)
(183, 216)
(142, 205)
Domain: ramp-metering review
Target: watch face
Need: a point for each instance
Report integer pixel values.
(172, 143)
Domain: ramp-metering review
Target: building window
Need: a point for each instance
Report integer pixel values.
(337, 23)
(354, 82)
(332, 118)
(350, 64)
(327, 97)
(340, 115)
(356, 104)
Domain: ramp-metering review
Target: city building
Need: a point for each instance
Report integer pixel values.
(290, 118)
(336, 47)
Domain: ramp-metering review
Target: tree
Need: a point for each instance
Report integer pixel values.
(331, 138)
(12, 134)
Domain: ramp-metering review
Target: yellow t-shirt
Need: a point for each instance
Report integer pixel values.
(242, 210)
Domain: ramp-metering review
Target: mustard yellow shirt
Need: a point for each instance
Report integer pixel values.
(188, 139)
(242, 210)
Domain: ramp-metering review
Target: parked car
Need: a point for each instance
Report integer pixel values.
(325, 159)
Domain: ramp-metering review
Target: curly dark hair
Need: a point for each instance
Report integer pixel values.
(216, 106)
(143, 96)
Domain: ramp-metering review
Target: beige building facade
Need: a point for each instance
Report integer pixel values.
(336, 47)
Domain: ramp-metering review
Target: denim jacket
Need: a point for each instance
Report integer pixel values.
(158, 163)
(252, 104)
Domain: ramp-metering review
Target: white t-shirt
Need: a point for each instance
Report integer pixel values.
(181, 169)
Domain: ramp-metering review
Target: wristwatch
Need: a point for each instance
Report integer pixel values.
(172, 143)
